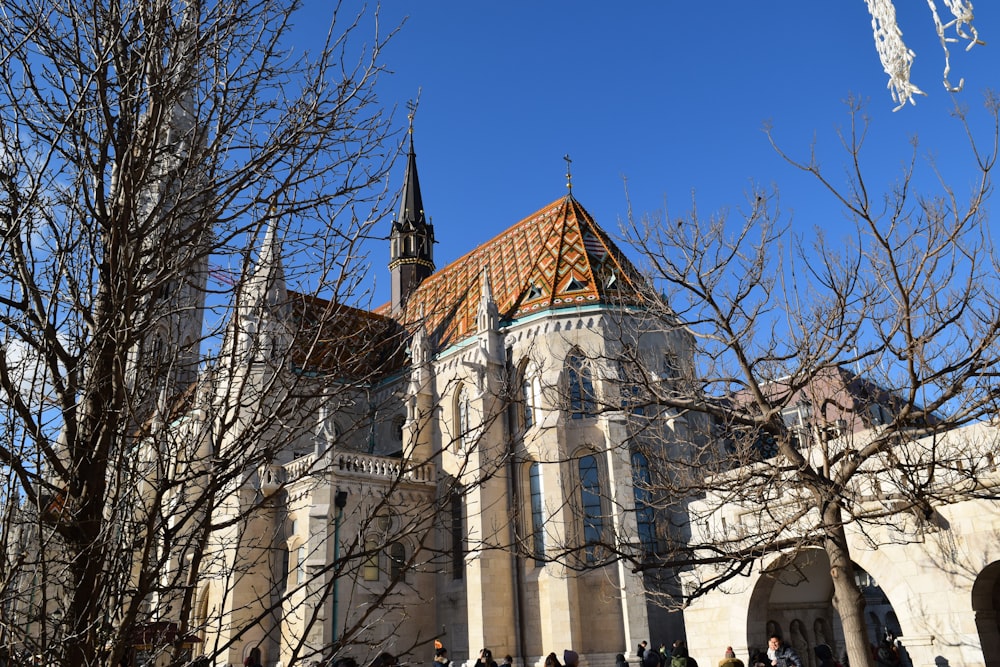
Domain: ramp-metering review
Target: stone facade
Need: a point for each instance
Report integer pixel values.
(931, 581)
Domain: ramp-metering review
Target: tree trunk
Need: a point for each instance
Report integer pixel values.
(848, 599)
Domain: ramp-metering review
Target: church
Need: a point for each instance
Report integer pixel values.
(458, 481)
(469, 466)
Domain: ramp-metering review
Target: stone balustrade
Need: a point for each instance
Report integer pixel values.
(353, 464)
(383, 467)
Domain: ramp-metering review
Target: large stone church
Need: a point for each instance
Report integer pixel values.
(472, 475)
(468, 466)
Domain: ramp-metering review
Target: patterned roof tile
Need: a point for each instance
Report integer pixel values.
(555, 258)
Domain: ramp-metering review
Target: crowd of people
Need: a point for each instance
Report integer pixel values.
(778, 654)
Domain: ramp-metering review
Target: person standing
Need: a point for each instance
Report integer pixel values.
(485, 659)
(781, 654)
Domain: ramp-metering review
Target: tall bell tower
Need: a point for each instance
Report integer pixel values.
(411, 239)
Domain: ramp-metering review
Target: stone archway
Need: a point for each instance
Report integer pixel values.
(986, 605)
(794, 596)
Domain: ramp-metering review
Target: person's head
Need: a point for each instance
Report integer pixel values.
(486, 654)
(643, 643)
(774, 642)
(823, 652)
(729, 652)
(508, 660)
(384, 660)
(552, 661)
(441, 653)
(570, 657)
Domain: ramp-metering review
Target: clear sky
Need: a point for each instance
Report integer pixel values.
(671, 95)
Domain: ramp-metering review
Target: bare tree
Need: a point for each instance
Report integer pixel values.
(158, 377)
(816, 387)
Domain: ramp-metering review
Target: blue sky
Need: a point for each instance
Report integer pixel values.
(671, 95)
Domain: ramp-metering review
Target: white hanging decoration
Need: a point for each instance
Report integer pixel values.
(897, 59)
(962, 11)
(895, 56)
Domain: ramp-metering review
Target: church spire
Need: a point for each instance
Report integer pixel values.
(412, 238)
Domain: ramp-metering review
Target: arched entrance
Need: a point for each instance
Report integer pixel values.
(986, 605)
(794, 599)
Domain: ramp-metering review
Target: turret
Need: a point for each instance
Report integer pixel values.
(411, 239)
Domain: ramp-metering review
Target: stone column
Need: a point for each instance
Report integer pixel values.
(632, 589)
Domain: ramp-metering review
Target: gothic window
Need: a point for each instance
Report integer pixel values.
(397, 428)
(300, 566)
(581, 388)
(397, 562)
(537, 513)
(671, 367)
(530, 396)
(645, 518)
(283, 565)
(527, 403)
(457, 535)
(369, 569)
(464, 437)
(590, 503)
(629, 374)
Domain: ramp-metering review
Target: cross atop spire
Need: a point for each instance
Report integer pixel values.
(411, 108)
(569, 175)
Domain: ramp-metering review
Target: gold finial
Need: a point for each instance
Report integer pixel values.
(411, 107)
(569, 174)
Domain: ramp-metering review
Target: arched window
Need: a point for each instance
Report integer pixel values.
(370, 567)
(590, 503)
(457, 534)
(464, 437)
(537, 513)
(581, 388)
(300, 565)
(398, 423)
(397, 562)
(283, 564)
(531, 392)
(629, 379)
(645, 518)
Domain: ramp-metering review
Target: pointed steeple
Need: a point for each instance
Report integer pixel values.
(411, 205)
(268, 281)
(264, 314)
(412, 238)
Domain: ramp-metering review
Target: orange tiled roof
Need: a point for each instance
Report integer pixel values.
(555, 258)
